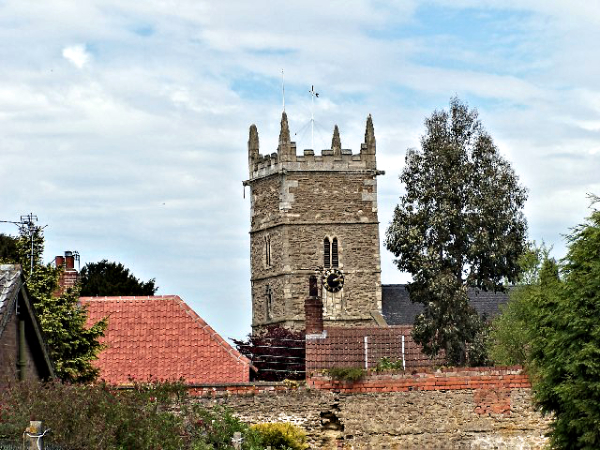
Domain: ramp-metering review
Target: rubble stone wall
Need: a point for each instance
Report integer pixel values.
(460, 409)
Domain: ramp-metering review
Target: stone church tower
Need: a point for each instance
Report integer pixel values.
(314, 213)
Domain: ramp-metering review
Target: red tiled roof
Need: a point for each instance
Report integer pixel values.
(161, 338)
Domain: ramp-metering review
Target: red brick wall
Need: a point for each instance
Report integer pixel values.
(498, 379)
(345, 347)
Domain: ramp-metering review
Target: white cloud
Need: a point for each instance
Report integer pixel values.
(141, 160)
(77, 55)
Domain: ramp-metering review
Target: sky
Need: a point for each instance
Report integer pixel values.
(124, 125)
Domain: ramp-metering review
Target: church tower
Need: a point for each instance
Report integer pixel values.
(314, 213)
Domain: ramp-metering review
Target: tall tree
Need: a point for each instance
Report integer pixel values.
(111, 278)
(565, 350)
(459, 225)
(72, 345)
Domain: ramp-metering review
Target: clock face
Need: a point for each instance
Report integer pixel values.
(333, 280)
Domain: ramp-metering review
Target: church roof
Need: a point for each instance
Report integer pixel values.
(161, 338)
(398, 309)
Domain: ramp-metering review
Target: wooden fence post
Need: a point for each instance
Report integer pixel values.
(33, 436)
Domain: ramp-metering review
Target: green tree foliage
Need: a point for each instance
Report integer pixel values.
(458, 225)
(111, 278)
(8, 248)
(565, 350)
(147, 416)
(72, 345)
(512, 331)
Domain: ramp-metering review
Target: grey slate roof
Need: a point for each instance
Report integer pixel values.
(397, 309)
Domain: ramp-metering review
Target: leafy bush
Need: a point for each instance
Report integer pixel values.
(148, 416)
(351, 374)
(509, 341)
(281, 436)
(386, 363)
(86, 417)
(213, 430)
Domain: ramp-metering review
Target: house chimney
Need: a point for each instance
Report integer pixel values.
(69, 261)
(313, 308)
(69, 275)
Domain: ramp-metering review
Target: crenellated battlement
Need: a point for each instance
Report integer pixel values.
(286, 158)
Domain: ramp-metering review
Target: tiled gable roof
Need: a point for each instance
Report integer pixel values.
(161, 338)
(16, 305)
(398, 309)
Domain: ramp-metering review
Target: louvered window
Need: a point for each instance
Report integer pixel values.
(334, 253)
(326, 253)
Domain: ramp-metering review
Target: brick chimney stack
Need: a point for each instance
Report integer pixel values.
(69, 276)
(313, 308)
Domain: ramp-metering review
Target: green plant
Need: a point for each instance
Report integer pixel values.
(386, 363)
(148, 416)
(213, 429)
(281, 436)
(351, 374)
(511, 334)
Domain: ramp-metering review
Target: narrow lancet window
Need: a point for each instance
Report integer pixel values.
(268, 251)
(326, 254)
(269, 301)
(334, 253)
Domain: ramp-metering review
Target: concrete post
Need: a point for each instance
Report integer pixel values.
(33, 436)
(237, 440)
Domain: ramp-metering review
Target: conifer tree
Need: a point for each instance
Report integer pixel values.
(565, 350)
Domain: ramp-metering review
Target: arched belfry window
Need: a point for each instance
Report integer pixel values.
(330, 253)
(334, 253)
(326, 253)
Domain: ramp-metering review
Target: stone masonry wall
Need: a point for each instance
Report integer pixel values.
(315, 205)
(296, 202)
(464, 409)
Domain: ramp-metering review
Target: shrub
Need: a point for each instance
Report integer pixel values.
(213, 429)
(386, 363)
(86, 416)
(351, 374)
(281, 436)
(149, 416)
